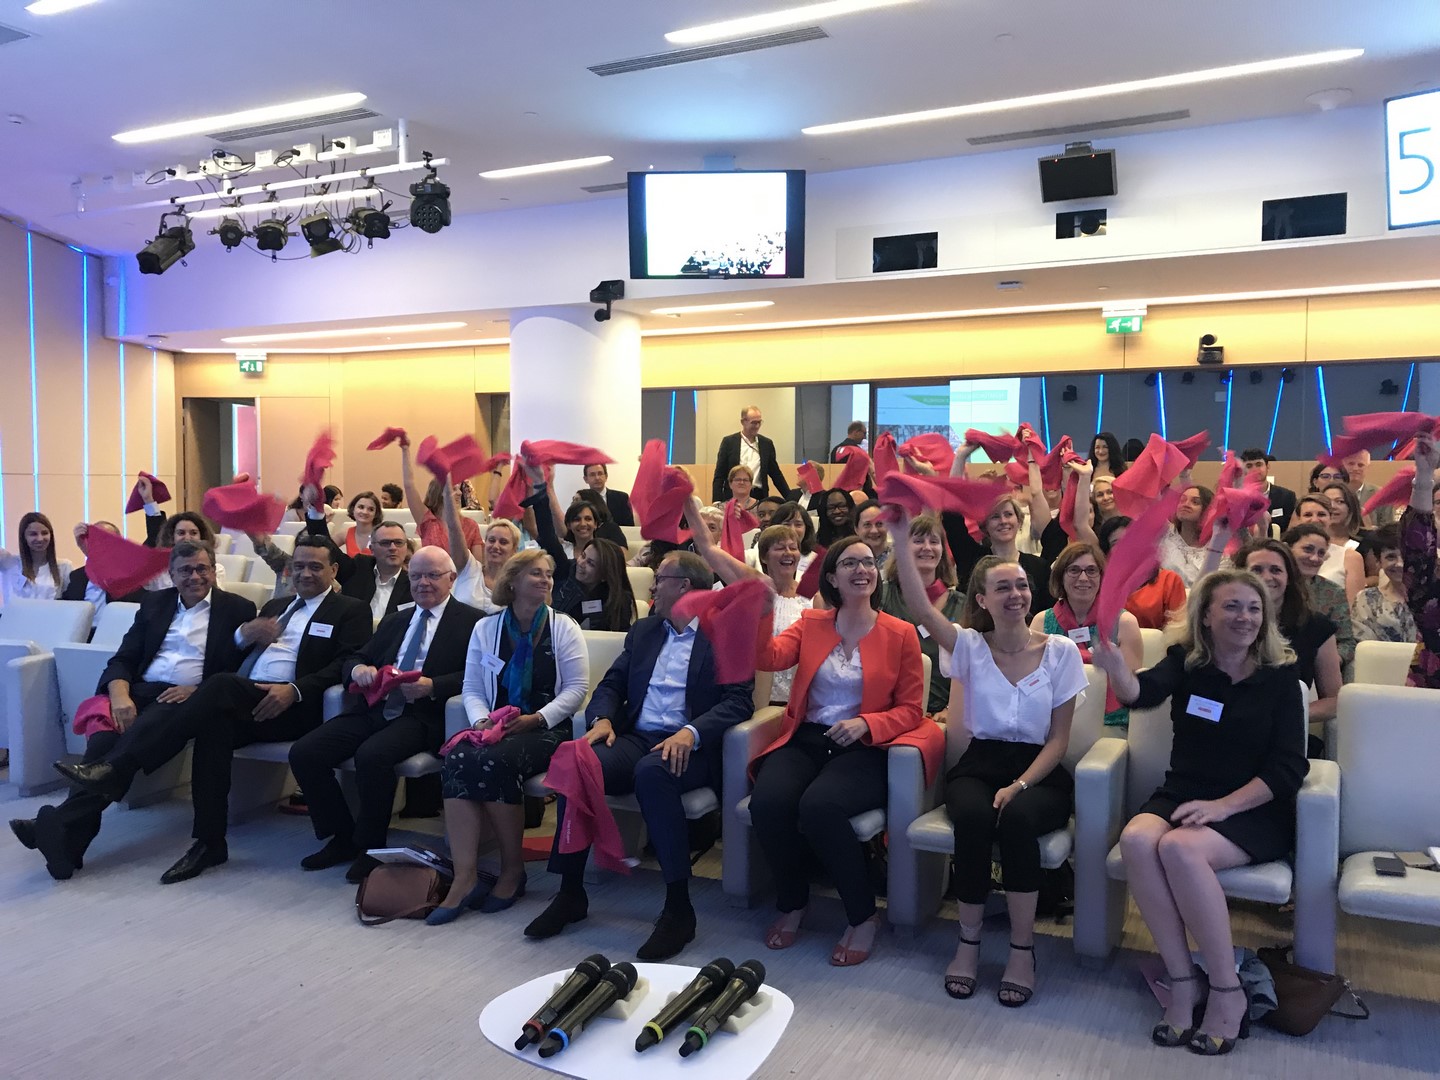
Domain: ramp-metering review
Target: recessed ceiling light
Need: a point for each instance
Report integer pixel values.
(772, 20)
(1087, 93)
(290, 110)
(359, 331)
(55, 7)
(748, 305)
(547, 166)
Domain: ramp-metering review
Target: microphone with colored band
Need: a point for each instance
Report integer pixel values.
(747, 980)
(579, 982)
(703, 989)
(613, 985)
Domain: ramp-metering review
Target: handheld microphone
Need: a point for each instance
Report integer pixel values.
(747, 980)
(579, 982)
(613, 985)
(703, 989)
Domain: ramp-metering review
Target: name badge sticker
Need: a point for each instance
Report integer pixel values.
(1278, 511)
(924, 633)
(406, 606)
(1031, 682)
(1080, 635)
(320, 629)
(592, 607)
(492, 663)
(1205, 708)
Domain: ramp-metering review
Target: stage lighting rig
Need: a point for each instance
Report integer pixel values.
(231, 232)
(169, 246)
(370, 223)
(271, 235)
(319, 233)
(429, 202)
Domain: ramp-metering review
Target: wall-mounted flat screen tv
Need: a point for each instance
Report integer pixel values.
(717, 224)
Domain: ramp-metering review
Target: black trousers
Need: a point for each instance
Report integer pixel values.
(219, 717)
(377, 745)
(970, 787)
(805, 794)
(632, 765)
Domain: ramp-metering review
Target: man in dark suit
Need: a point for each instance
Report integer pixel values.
(1282, 500)
(747, 447)
(657, 723)
(854, 436)
(617, 502)
(294, 652)
(80, 587)
(431, 637)
(378, 579)
(180, 636)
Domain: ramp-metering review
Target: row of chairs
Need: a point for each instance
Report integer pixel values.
(1380, 740)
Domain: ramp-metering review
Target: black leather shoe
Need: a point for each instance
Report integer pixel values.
(51, 841)
(360, 868)
(24, 830)
(671, 934)
(98, 778)
(196, 861)
(335, 852)
(563, 910)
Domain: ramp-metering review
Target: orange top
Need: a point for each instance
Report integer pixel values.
(892, 693)
(1152, 603)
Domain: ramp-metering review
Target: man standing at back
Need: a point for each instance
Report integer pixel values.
(617, 502)
(1357, 464)
(854, 436)
(747, 447)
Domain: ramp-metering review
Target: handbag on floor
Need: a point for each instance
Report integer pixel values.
(1304, 996)
(399, 891)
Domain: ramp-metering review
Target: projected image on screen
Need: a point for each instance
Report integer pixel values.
(716, 224)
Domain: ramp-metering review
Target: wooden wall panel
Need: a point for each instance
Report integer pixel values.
(287, 428)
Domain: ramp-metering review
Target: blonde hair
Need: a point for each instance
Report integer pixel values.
(929, 524)
(503, 594)
(738, 470)
(1269, 649)
(508, 525)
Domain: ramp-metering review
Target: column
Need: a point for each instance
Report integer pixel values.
(577, 379)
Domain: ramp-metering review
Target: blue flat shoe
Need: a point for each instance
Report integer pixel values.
(493, 903)
(471, 900)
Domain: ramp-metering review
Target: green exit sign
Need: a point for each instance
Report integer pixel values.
(1124, 324)
(251, 363)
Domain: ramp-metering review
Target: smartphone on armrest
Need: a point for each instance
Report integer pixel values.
(1417, 860)
(1389, 866)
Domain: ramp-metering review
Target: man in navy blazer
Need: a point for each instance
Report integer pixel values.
(657, 721)
(597, 477)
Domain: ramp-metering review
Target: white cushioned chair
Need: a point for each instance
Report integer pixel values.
(1111, 787)
(29, 691)
(237, 567)
(1387, 744)
(1383, 663)
(921, 851)
(258, 593)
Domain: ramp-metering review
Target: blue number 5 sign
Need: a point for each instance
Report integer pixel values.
(1412, 138)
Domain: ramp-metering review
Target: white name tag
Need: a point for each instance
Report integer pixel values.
(321, 629)
(405, 606)
(1080, 635)
(1031, 682)
(924, 633)
(1277, 512)
(592, 607)
(492, 663)
(1204, 708)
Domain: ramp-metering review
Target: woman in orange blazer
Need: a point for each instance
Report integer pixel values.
(858, 689)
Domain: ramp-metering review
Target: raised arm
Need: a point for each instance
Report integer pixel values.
(414, 498)
(1084, 472)
(962, 458)
(913, 589)
(1038, 505)
(1219, 539)
(728, 568)
(545, 534)
(454, 531)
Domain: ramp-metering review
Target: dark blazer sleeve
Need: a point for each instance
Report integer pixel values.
(726, 458)
(382, 648)
(228, 612)
(545, 534)
(153, 524)
(769, 467)
(727, 703)
(1282, 499)
(620, 510)
(612, 693)
(150, 622)
(457, 624)
(351, 620)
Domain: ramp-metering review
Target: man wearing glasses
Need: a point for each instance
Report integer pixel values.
(430, 637)
(657, 721)
(379, 578)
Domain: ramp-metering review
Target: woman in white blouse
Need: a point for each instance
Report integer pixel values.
(1009, 787)
(534, 659)
(779, 555)
(1180, 548)
(35, 573)
(478, 577)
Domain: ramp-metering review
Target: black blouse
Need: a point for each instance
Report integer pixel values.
(1260, 732)
(968, 551)
(1307, 640)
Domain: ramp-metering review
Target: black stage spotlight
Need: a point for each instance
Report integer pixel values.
(169, 247)
(429, 204)
(318, 231)
(231, 232)
(271, 235)
(370, 223)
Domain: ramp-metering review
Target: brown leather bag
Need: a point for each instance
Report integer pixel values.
(399, 891)
(1305, 996)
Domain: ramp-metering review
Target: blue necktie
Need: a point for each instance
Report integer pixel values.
(248, 664)
(395, 702)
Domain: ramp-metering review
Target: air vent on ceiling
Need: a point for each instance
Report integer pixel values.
(709, 52)
(310, 123)
(9, 34)
(1080, 129)
(599, 189)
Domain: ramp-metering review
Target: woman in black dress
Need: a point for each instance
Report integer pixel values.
(1228, 798)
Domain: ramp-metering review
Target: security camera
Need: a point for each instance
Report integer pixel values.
(607, 292)
(1209, 352)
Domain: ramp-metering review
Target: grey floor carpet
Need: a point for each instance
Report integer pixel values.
(256, 969)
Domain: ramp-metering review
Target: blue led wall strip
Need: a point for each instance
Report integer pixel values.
(1100, 406)
(1275, 419)
(1229, 384)
(1324, 405)
(1045, 408)
(1160, 400)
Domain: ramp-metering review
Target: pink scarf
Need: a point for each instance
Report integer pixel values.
(1066, 618)
(575, 773)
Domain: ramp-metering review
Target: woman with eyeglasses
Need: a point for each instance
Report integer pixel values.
(1010, 787)
(857, 690)
(1323, 474)
(1343, 565)
(1075, 582)
(837, 517)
